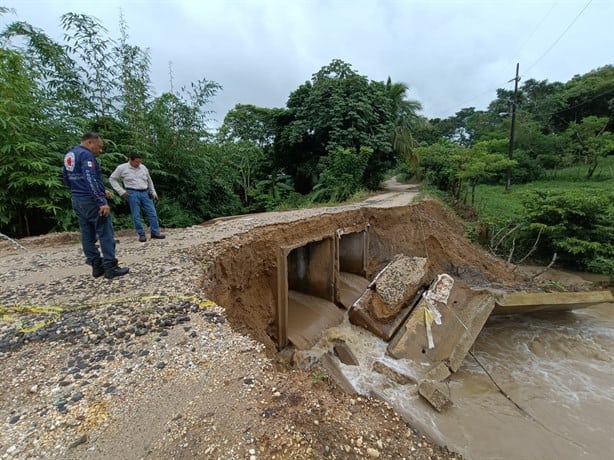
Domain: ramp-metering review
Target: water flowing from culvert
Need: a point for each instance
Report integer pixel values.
(557, 370)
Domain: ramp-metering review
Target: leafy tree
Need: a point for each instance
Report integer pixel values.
(337, 108)
(56, 75)
(481, 162)
(246, 122)
(134, 92)
(454, 129)
(31, 192)
(406, 119)
(87, 39)
(586, 95)
(194, 177)
(589, 141)
(248, 136)
(440, 165)
(341, 174)
(276, 191)
(248, 161)
(542, 100)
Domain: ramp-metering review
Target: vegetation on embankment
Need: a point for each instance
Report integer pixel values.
(563, 213)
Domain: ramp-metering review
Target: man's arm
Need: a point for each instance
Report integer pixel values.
(114, 180)
(150, 186)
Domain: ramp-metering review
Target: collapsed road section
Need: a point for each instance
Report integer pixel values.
(387, 270)
(389, 301)
(264, 274)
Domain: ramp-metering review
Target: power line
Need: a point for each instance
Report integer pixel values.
(561, 36)
(535, 29)
(492, 90)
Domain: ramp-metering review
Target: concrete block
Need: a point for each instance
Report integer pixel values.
(329, 363)
(438, 373)
(393, 374)
(463, 317)
(436, 393)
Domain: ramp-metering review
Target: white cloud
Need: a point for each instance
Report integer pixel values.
(452, 54)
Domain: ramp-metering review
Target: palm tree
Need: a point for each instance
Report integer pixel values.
(406, 118)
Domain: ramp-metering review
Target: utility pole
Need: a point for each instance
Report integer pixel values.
(511, 147)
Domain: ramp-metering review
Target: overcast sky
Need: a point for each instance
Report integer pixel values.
(452, 54)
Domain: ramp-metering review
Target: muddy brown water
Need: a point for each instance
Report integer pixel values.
(533, 387)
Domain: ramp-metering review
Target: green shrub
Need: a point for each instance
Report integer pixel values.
(578, 225)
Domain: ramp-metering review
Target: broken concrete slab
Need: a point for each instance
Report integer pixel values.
(395, 285)
(345, 354)
(385, 330)
(393, 374)
(390, 297)
(532, 302)
(436, 393)
(462, 319)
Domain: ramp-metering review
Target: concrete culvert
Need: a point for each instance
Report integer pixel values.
(341, 251)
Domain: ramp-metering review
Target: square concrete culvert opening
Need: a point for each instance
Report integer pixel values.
(305, 293)
(352, 266)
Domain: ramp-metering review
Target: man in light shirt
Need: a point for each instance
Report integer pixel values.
(139, 190)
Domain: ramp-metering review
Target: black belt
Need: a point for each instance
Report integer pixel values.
(138, 190)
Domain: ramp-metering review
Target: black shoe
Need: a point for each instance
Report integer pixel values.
(157, 236)
(142, 238)
(114, 272)
(97, 269)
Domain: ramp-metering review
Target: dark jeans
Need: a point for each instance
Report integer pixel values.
(136, 200)
(95, 227)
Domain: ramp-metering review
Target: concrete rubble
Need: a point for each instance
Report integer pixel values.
(433, 328)
(433, 323)
(388, 299)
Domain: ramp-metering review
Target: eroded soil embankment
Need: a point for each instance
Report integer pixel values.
(244, 275)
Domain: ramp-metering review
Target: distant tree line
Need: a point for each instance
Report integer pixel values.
(558, 125)
(338, 135)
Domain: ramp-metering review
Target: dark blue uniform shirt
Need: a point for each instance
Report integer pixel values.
(83, 175)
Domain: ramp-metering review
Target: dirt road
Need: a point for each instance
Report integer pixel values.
(147, 366)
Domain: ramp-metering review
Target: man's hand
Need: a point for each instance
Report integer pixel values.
(154, 196)
(105, 210)
(125, 195)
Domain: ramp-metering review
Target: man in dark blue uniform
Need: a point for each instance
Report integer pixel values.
(89, 200)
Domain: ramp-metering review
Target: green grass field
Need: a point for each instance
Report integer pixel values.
(494, 205)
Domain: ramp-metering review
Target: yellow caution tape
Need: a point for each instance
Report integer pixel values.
(9, 313)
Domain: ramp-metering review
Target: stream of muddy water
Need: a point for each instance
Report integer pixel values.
(533, 386)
